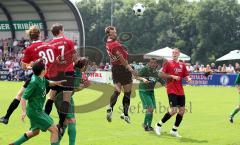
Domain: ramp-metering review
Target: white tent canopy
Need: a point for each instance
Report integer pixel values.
(164, 53)
(235, 54)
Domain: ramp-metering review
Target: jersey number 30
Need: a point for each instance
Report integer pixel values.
(47, 55)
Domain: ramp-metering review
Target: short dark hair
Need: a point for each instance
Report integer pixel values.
(176, 49)
(56, 28)
(81, 62)
(108, 28)
(33, 32)
(153, 59)
(38, 67)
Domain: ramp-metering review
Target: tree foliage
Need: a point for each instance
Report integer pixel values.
(205, 30)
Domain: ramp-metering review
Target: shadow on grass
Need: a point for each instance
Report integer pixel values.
(182, 140)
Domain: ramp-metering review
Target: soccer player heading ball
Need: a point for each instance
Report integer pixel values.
(176, 70)
(121, 73)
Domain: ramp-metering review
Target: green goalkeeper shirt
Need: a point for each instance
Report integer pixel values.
(35, 93)
(152, 76)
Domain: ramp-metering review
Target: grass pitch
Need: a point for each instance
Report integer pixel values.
(205, 123)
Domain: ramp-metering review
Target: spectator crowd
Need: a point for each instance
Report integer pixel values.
(11, 52)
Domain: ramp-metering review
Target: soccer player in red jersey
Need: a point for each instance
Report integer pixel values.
(177, 71)
(35, 51)
(121, 73)
(64, 71)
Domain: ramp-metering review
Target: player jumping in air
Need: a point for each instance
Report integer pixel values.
(121, 73)
(35, 51)
(148, 77)
(35, 96)
(237, 109)
(177, 71)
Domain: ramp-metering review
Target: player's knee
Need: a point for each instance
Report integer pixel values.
(19, 96)
(53, 129)
(36, 132)
(150, 110)
(173, 111)
(116, 93)
(181, 111)
(71, 120)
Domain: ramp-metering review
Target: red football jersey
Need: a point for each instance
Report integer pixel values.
(178, 69)
(66, 47)
(39, 49)
(112, 47)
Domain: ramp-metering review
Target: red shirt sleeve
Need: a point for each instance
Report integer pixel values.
(165, 68)
(27, 56)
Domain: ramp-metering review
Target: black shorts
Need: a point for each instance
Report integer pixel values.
(176, 100)
(67, 86)
(120, 74)
(26, 83)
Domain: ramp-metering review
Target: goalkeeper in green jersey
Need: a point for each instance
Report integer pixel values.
(237, 109)
(148, 77)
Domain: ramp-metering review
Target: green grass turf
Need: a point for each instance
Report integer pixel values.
(206, 124)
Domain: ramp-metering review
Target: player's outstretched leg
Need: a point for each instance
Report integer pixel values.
(54, 135)
(72, 133)
(235, 111)
(64, 109)
(148, 120)
(113, 100)
(14, 104)
(26, 137)
(50, 101)
(178, 120)
(166, 117)
(126, 104)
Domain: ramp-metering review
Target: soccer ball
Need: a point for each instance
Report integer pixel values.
(138, 9)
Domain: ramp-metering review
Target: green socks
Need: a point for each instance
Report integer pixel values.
(148, 118)
(72, 133)
(21, 140)
(235, 111)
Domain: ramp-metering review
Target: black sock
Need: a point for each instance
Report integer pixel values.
(166, 117)
(11, 108)
(114, 98)
(126, 102)
(64, 107)
(48, 106)
(178, 120)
